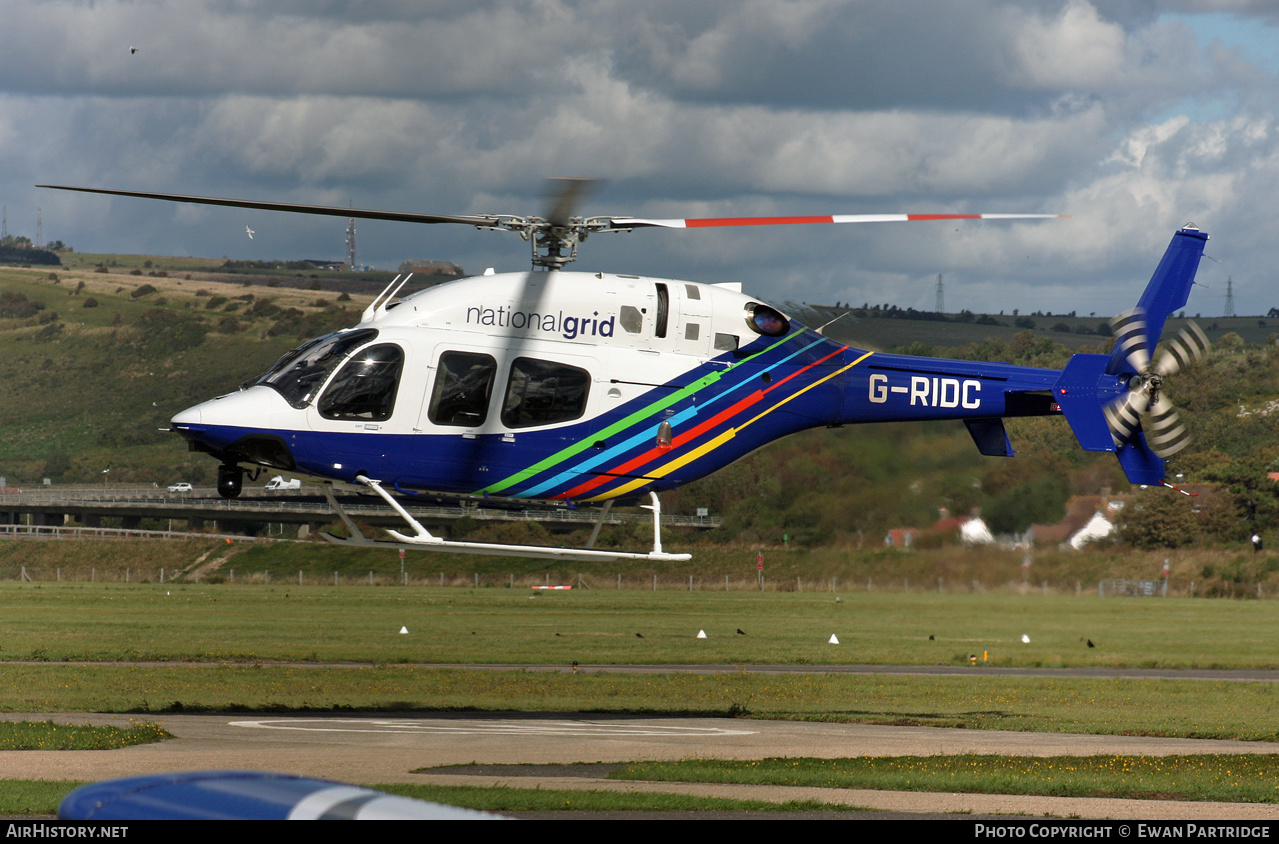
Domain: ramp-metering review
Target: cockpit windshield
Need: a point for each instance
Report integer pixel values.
(299, 374)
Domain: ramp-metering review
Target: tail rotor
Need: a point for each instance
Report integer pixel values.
(1144, 406)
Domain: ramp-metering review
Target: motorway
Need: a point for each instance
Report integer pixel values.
(393, 747)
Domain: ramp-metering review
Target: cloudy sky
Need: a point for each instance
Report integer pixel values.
(1132, 116)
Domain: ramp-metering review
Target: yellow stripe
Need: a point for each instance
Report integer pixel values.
(799, 393)
(671, 466)
(711, 445)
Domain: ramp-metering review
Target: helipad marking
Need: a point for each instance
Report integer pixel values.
(480, 728)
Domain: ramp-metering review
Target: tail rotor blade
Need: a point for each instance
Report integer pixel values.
(1189, 345)
(1130, 338)
(1167, 434)
(1129, 330)
(1123, 415)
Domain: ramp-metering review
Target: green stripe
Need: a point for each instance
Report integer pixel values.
(622, 424)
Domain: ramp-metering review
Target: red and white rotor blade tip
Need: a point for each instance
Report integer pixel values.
(716, 222)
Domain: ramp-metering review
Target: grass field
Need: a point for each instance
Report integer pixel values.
(222, 648)
(235, 647)
(247, 623)
(1227, 778)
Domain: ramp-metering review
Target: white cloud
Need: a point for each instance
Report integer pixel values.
(1130, 121)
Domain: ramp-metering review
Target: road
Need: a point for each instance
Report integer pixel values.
(396, 748)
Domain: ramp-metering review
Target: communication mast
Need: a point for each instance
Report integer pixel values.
(941, 296)
(350, 242)
(39, 227)
(1230, 298)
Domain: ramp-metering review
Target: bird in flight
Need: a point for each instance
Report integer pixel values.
(249, 231)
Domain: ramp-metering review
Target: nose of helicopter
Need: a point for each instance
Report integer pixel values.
(247, 425)
(255, 407)
(190, 416)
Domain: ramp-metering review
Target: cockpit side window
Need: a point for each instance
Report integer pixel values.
(542, 392)
(463, 385)
(365, 388)
(300, 373)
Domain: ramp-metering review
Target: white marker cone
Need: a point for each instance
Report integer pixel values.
(1025, 638)
(832, 640)
(701, 634)
(404, 630)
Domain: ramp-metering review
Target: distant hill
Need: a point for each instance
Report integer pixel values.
(96, 358)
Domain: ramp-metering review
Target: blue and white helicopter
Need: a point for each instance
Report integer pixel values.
(592, 387)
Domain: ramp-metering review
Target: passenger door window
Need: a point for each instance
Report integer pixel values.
(463, 385)
(541, 392)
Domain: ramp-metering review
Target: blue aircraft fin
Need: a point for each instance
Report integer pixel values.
(1090, 383)
(1168, 290)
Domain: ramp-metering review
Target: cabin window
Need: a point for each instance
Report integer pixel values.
(541, 392)
(365, 387)
(463, 384)
(692, 292)
(691, 331)
(725, 342)
(632, 319)
(299, 374)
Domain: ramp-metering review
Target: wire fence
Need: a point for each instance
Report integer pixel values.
(632, 580)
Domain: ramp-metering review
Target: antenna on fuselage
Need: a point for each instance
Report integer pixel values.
(380, 308)
(377, 307)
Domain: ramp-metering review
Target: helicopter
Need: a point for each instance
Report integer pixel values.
(589, 388)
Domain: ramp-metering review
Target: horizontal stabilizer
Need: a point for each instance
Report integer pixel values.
(1080, 394)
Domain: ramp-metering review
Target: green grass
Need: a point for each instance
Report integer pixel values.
(248, 623)
(223, 638)
(506, 799)
(20, 798)
(48, 735)
(1231, 778)
(1188, 709)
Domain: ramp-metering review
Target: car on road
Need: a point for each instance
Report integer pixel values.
(181, 487)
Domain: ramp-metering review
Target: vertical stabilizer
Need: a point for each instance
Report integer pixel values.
(1093, 385)
(1168, 290)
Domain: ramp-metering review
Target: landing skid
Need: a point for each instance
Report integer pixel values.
(424, 540)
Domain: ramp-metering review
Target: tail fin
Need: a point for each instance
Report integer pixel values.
(1169, 288)
(1090, 382)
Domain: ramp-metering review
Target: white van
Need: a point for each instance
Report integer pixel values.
(279, 483)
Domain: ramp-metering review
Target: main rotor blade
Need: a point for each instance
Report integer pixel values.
(323, 210)
(565, 195)
(1187, 347)
(1129, 328)
(713, 222)
(1166, 434)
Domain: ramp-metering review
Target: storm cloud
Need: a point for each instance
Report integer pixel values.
(1134, 118)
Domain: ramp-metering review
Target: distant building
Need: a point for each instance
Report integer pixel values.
(901, 537)
(431, 268)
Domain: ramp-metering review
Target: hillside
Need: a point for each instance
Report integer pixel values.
(93, 364)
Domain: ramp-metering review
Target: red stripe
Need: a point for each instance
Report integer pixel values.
(800, 372)
(688, 436)
(755, 221)
(943, 216)
(652, 454)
